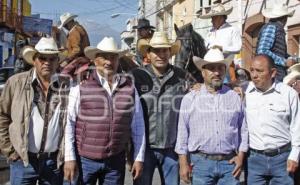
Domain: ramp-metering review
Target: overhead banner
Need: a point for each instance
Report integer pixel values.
(35, 25)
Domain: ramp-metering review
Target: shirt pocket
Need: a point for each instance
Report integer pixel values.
(278, 112)
(277, 108)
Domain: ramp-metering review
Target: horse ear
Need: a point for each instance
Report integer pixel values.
(176, 28)
(191, 27)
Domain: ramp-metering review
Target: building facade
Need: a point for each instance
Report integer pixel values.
(246, 16)
(11, 13)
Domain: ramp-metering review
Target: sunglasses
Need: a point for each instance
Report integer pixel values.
(47, 58)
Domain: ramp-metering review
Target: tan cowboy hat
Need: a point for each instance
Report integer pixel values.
(46, 46)
(293, 72)
(159, 40)
(278, 10)
(217, 9)
(65, 18)
(213, 56)
(106, 45)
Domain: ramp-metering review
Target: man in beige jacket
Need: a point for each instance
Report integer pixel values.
(77, 37)
(33, 118)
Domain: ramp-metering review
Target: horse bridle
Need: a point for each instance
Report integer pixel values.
(191, 53)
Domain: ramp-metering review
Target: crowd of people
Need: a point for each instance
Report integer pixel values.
(60, 129)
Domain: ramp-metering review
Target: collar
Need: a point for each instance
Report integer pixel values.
(169, 69)
(54, 78)
(221, 91)
(75, 25)
(225, 25)
(102, 80)
(274, 88)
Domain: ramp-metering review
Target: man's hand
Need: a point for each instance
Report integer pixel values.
(196, 87)
(217, 47)
(184, 169)
(137, 169)
(70, 170)
(238, 161)
(13, 157)
(289, 62)
(239, 91)
(63, 64)
(292, 166)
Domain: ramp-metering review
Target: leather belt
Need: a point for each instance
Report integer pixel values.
(273, 152)
(43, 155)
(216, 157)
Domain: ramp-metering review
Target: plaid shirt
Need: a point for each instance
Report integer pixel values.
(267, 39)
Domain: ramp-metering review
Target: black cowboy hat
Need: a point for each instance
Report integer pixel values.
(143, 23)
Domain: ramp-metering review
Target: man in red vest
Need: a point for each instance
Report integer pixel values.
(104, 112)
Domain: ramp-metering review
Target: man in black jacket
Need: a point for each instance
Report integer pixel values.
(161, 87)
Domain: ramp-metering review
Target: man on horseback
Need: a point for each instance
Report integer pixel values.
(223, 35)
(77, 38)
(145, 33)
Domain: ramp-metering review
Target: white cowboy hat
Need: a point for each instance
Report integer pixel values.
(65, 18)
(293, 72)
(217, 9)
(159, 40)
(107, 45)
(278, 10)
(46, 46)
(213, 56)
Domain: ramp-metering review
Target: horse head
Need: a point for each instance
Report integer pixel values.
(192, 44)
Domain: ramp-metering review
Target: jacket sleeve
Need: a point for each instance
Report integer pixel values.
(5, 118)
(74, 40)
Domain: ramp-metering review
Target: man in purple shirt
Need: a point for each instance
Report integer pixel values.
(212, 133)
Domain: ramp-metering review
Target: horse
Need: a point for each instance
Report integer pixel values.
(192, 44)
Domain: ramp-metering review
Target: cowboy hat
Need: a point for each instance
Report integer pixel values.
(106, 45)
(278, 10)
(293, 72)
(216, 10)
(159, 40)
(213, 56)
(65, 18)
(143, 23)
(46, 46)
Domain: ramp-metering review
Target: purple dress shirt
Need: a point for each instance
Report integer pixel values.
(212, 123)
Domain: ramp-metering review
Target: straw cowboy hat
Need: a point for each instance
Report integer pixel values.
(143, 23)
(159, 40)
(278, 10)
(46, 46)
(213, 56)
(106, 45)
(217, 9)
(293, 72)
(65, 18)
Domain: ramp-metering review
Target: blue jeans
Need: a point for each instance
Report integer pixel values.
(167, 162)
(43, 170)
(263, 169)
(209, 172)
(109, 171)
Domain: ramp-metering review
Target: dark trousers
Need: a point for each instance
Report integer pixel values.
(109, 171)
(42, 170)
(281, 73)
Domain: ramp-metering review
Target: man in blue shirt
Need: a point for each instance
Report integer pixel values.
(271, 40)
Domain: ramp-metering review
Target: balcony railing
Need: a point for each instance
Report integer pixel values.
(8, 19)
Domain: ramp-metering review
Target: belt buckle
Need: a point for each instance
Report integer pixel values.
(219, 157)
